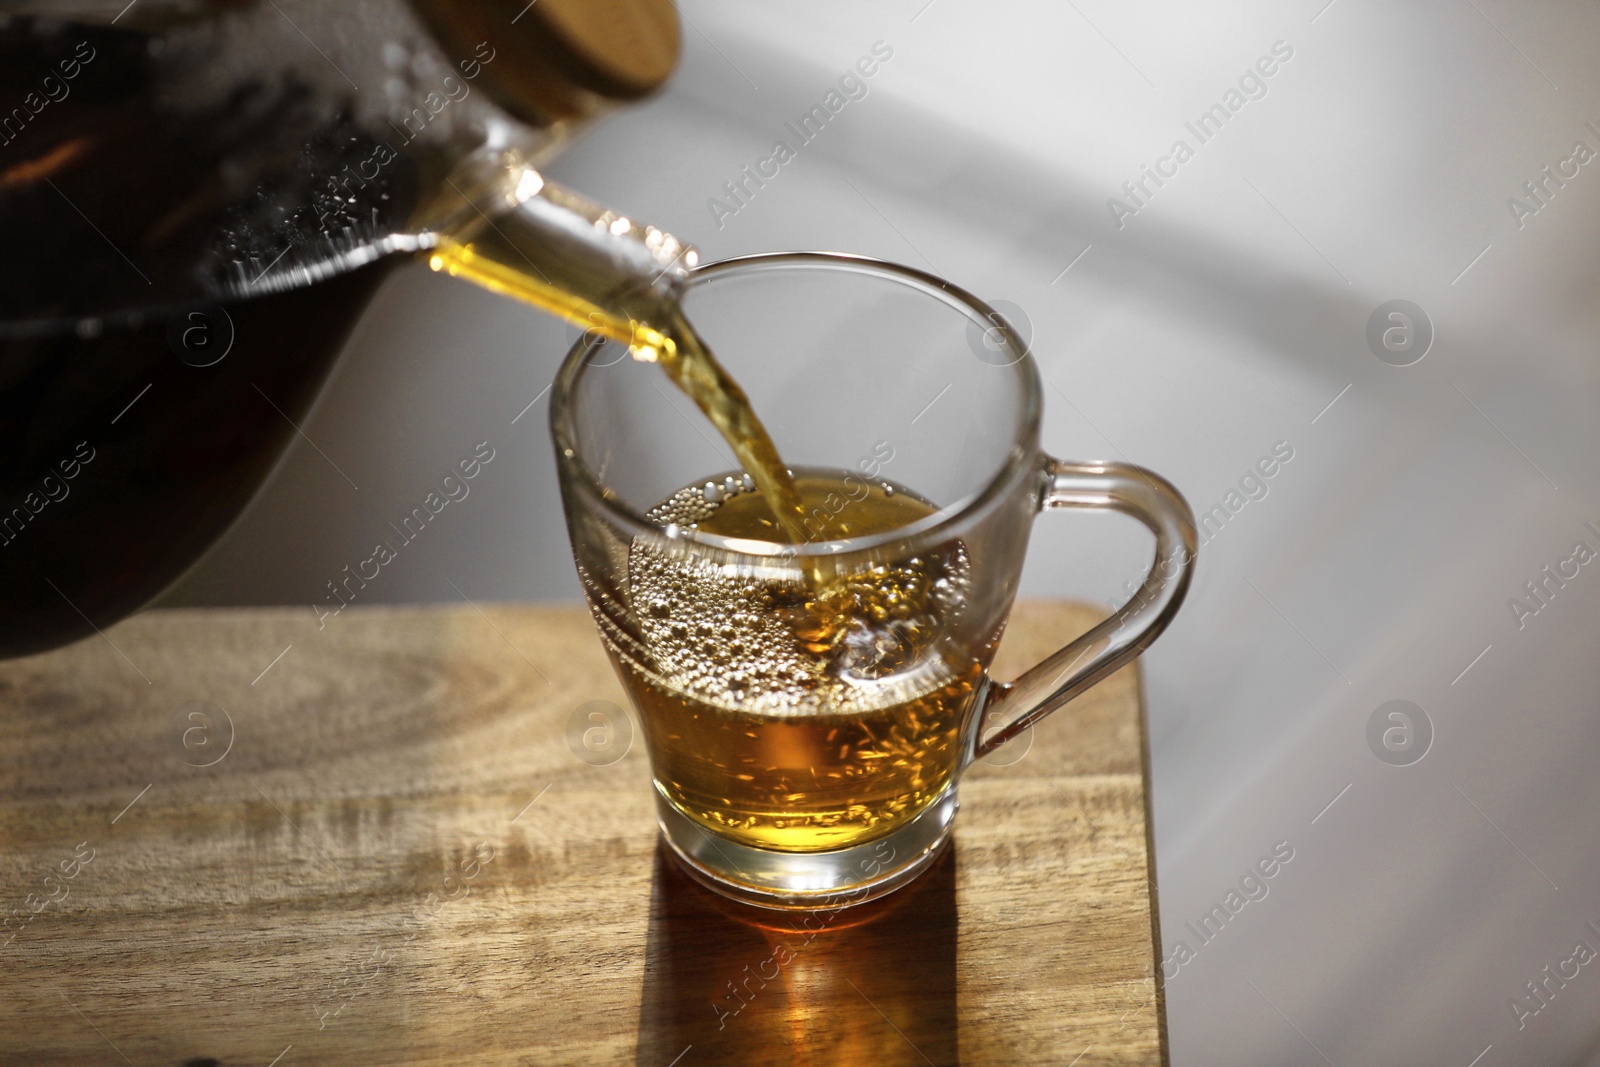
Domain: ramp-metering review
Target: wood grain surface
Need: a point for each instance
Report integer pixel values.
(231, 837)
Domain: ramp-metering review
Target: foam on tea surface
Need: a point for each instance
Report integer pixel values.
(749, 642)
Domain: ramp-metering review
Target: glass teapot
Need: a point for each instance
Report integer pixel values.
(197, 198)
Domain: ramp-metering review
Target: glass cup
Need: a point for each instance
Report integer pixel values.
(789, 774)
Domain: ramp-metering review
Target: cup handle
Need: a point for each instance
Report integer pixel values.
(1011, 707)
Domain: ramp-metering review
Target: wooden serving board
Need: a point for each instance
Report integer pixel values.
(231, 837)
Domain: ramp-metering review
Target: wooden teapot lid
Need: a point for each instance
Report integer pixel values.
(552, 54)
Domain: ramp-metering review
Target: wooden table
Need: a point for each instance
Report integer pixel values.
(237, 837)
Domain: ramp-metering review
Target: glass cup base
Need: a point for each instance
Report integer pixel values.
(793, 881)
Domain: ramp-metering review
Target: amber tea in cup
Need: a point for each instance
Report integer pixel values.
(809, 702)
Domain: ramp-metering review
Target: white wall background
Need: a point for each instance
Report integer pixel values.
(1222, 318)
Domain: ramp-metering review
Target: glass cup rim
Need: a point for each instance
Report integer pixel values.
(1023, 444)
